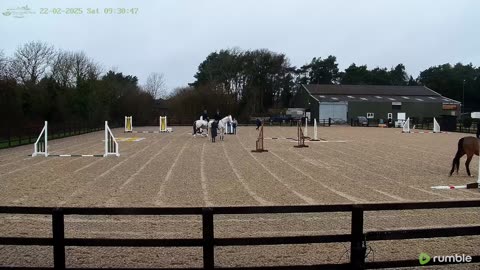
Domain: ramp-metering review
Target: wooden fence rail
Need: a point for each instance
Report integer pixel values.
(357, 238)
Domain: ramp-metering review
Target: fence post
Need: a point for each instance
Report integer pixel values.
(58, 232)
(357, 257)
(208, 236)
(9, 134)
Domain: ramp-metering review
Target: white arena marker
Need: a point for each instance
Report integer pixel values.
(40, 147)
(406, 126)
(305, 133)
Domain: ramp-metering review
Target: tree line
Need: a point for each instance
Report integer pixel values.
(262, 82)
(39, 82)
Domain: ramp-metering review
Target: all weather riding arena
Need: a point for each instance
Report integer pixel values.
(172, 200)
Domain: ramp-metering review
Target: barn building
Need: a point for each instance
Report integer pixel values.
(345, 102)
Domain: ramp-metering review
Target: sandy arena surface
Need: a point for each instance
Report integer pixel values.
(353, 165)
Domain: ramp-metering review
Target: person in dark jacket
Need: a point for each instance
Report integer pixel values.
(205, 115)
(259, 123)
(214, 130)
(478, 129)
(217, 116)
(234, 126)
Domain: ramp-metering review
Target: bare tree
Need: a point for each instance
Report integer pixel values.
(155, 85)
(80, 66)
(4, 66)
(76, 67)
(93, 70)
(31, 61)
(62, 69)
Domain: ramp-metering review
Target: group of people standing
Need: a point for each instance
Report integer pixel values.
(214, 127)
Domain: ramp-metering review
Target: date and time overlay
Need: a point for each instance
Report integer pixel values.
(28, 11)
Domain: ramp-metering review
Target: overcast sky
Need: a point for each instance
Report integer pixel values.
(174, 36)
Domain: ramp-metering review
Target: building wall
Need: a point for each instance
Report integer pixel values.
(415, 110)
(314, 109)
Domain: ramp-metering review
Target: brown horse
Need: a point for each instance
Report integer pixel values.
(466, 146)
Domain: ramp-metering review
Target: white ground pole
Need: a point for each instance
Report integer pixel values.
(128, 124)
(305, 132)
(111, 144)
(406, 126)
(315, 129)
(436, 126)
(475, 115)
(41, 147)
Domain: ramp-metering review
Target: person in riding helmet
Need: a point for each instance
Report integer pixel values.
(259, 123)
(217, 116)
(205, 115)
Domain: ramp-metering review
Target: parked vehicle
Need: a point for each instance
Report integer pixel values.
(362, 121)
(281, 119)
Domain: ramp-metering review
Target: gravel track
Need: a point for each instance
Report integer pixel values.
(354, 165)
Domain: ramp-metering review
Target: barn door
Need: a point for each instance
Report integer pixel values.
(335, 110)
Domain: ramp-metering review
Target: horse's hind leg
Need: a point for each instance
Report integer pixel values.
(467, 163)
(456, 161)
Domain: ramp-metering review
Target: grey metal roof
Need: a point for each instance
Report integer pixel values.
(390, 90)
(360, 98)
(375, 93)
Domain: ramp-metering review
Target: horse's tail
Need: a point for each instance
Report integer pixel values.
(458, 155)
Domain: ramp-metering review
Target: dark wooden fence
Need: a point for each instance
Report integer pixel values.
(357, 238)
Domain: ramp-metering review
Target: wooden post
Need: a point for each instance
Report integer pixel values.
(358, 250)
(58, 232)
(300, 136)
(259, 143)
(208, 239)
